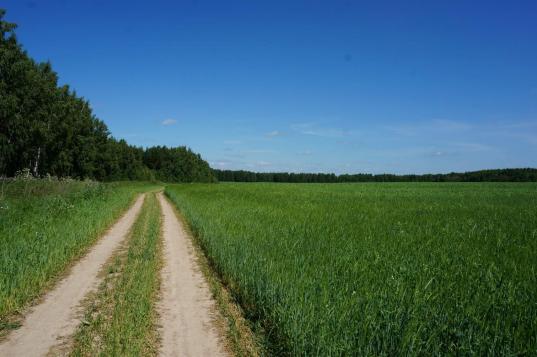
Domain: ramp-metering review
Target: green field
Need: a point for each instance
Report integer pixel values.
(377, 269)
(44, 227)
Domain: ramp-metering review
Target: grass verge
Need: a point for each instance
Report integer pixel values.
(121, 319)
(44, 227)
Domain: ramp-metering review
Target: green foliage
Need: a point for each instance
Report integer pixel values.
(44, 226)
(499, 175)
(44, 127)
(376, 269)
(50, 130)
(178, 165)
(121, 319)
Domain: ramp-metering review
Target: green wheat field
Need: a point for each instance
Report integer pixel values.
(376, 269)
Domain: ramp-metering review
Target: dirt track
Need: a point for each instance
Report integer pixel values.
(58, 315)
(186, 306)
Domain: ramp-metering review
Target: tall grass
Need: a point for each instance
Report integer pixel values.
(121, 319)
(376, 269)
(44, 226)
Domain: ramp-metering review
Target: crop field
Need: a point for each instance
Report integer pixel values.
(375, 269)
(44, 227)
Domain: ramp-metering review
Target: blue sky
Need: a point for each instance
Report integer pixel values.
(316, 86)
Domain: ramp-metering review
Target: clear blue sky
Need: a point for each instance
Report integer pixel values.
(323, 86)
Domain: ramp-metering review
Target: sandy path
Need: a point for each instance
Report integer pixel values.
(58, 315)
(186, 306)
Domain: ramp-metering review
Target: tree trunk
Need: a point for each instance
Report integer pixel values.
(36, 166)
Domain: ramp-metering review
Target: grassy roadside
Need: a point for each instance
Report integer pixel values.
(240, 336)
(44, 227)
(121, 319)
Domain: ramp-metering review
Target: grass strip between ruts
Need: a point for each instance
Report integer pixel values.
(120, 319)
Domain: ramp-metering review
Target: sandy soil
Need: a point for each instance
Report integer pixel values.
(58, 315)
(186, 308)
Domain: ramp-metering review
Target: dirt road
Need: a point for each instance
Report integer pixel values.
(186, 306)
(58, 315)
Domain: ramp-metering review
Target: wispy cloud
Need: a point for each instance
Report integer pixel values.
(305, 153)
(472, 147)
(520, 125)
(167, 122)
(529, 138)
(259, 151)
(262, 163)
(220, 163)
(439, 153)
(314, 129)
(432, 126)
(255, 165)
(232, 142)
(451, 125)
(457, 149)
(273, 134)
(419, 146)
(505, 132)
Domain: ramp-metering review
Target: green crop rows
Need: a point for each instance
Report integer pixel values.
(376, 269)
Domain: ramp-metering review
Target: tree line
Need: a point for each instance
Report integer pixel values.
(49, 129)
(499, 175)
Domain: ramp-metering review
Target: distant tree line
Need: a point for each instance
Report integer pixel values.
(48, 129)
(500, 175)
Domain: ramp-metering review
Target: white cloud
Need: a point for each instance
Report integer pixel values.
(316, 130)
(273, 133)
(263, 163)
(167, 122)
(220, 163)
